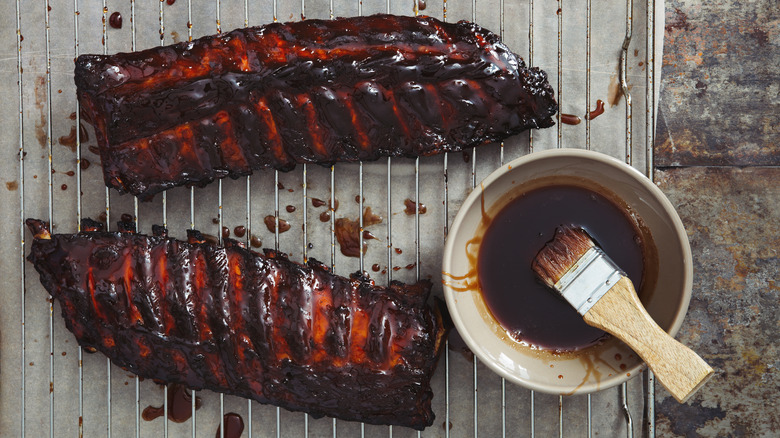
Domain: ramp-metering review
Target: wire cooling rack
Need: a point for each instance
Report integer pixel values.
(51, 387)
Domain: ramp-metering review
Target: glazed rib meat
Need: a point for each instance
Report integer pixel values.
(238, 322)
(318, 91)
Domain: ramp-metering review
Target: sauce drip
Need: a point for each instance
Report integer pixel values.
(256, 242)
(348, 232)
(225, 232)
(596, 112)
(270, 223)
(115, 20)
(317, 202)
(375, 267)
(570, 119)
(324, 216)
(84, 164)
(529, 311)
(411, 206)
(239, 231)
(234, 426)
(179, 405)
(290, 208)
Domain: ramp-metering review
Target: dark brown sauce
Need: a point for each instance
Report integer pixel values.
(234, 424)
(375, 267)
(411, 206)
(64, 187)
(225, 232)
(290, 208)
(179, 405)
(528, 310)
(280, 186)
(466, 157)
(411, 265)
(357, 199)
(70, 173)
(347, 233)
(215, 220)
(239, 231)
(596, 112)
(421, 5)
(570, 119)
(317, 202)
(115, 20)
(256, 242)
(368, 235)
(70, 139)
(399, 251)
(170, 2)
(94, 150)
(84, 164)
(103, 217)
(334, 206)
(11, 185)
(324, 216)
(270, 223)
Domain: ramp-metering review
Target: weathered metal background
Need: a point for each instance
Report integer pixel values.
(717, 152)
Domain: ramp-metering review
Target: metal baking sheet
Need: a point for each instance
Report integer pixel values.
(49, 387)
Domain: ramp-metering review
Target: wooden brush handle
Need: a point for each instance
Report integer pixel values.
(677, 367)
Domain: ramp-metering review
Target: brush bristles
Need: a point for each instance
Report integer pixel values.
(561, 253)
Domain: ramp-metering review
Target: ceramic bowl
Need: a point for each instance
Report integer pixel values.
(665, 296)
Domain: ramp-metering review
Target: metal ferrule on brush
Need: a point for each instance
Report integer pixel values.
(588, 279)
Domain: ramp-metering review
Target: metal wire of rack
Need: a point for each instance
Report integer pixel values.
(53, 394)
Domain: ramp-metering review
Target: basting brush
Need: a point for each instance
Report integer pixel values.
(590, 281)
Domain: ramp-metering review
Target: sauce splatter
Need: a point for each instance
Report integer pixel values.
(115, 20)
(597, 112)
(570, 119)
(317, 202)
(239, 231)
(324, 216)
(375, 267)
(290, 208)
(70, 139)
(84, 164)
(348, 232)
(256, 242)
(411, 206)
(179, 405)
(225, 232)
(11, 185)
(270, 223)
(234, 424)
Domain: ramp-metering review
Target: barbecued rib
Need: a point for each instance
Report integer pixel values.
(234, 321)
(311, 91)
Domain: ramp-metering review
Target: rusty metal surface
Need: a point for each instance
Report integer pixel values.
(716, 153)
(721, 84)
(732, 217)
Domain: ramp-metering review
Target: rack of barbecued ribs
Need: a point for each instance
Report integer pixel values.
(316, 91)
(254, 325)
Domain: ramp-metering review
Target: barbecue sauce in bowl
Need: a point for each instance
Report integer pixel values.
(531, 313)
